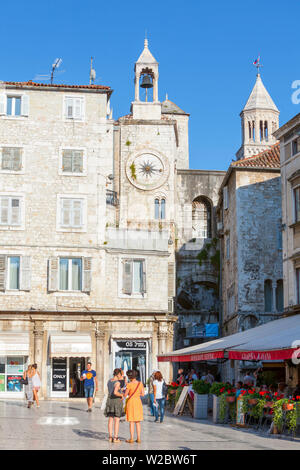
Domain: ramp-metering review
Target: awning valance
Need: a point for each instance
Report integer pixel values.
(275, 340)
(70, 345)
(14, 343)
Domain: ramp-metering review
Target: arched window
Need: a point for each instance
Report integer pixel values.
(266, 130)
(249, 125)
(163, 209)
(201, 218)
(268, 295)
(156, 205)
(160, 209)
(279, 295)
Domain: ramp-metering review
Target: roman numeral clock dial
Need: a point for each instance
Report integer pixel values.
(147, 171)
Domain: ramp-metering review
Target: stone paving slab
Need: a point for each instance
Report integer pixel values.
(67, 426)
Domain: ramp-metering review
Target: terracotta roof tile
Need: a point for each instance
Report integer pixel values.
(269, 158)
(57, 85)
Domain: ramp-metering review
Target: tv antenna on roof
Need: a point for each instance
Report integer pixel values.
(55, 66)
(92, 73)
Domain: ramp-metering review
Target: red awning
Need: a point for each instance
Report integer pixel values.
(271, 355)
(192, 357)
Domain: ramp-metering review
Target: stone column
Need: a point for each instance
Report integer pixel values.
(38, 334)
(162, 348)
(137, 87)
(100, 334)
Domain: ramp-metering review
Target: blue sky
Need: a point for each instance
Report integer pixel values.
(205, 52)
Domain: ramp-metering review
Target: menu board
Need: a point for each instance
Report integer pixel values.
(240, 416)
(59, 374)
(14, 383)
(2, 383)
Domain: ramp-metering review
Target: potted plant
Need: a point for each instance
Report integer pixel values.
(201, 391)
(253, 396)
(230, 395)
(216, 390)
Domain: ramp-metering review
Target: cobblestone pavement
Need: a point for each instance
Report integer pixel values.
(67, 425)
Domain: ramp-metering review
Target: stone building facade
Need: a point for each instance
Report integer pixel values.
(289, 135)
(198, 278)
(250, 225)
(87, 264)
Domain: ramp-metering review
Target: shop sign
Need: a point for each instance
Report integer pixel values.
(14, 383)
(132, 344)
(59, 375)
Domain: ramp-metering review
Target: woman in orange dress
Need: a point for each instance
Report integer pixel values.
(134, 408)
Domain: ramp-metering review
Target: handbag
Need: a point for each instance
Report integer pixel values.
(24, 381)
(127, 399)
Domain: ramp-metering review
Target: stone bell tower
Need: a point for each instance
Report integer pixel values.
(259, 119)
(146, 69)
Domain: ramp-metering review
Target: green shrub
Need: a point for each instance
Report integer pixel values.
(200, 387)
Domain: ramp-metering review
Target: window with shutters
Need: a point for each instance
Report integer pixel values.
(71, 212)
(72, 161)
(14, 105)
(133, 277)
(70, 274)
(225, 198)
(74, 108)
(10, 210)
(11, 159)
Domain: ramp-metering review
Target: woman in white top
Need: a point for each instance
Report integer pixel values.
(159, 396)
(36, 384)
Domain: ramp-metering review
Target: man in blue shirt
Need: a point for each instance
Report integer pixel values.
(89, 377)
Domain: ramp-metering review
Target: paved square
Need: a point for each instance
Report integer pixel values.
(67, 425)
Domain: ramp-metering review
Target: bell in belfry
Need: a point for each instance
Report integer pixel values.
(147, 82)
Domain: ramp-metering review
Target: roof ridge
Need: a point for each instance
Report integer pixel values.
(259, 154)
(57, 85)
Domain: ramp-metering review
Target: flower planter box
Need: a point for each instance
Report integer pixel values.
(230, 399)
(288, 406)
(268, 404)
(200, 406)
(252, 401)
(216, 409)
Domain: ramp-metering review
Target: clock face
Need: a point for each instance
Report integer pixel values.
(146, 171)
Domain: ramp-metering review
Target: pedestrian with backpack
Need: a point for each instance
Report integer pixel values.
(160, 396)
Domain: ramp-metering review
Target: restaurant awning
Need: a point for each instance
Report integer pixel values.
(275, 340)
(14, 343)
(65, 345)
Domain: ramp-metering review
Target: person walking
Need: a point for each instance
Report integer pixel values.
(114, 405)
(134, 408)
(151, 393)
(160, 396)
(27, 376)
(36, 384)
(90, 379)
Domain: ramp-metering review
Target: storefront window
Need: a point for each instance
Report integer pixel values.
(132, 354)
(11, 373)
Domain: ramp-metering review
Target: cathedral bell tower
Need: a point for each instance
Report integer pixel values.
(259, 119)
(146, 107)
